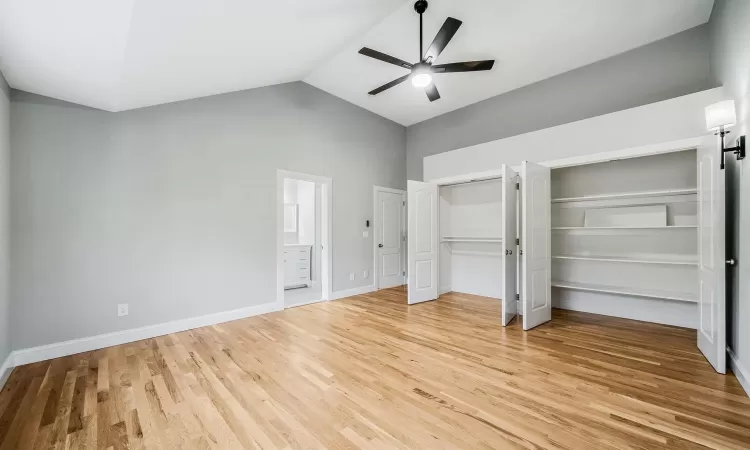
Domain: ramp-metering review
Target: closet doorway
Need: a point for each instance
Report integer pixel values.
(303, 238)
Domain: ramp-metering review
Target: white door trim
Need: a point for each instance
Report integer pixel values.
(326, 253)
(375, 229)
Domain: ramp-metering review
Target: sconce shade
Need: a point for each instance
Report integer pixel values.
(720, 115)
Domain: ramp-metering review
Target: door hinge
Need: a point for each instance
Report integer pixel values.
(403, 203)
(518, 186)
(518, 242)
(518, 296)
(403, 273)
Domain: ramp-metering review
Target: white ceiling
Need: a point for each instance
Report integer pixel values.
(123, 54)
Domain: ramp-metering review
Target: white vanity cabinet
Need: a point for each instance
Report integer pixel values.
(297, 267)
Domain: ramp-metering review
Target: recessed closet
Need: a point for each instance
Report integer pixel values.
(471, 217)
(625, 238)
(463, 237)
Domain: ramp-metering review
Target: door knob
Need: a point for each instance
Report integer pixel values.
(380, 245)
(731, 262)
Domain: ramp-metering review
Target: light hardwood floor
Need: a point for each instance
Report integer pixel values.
(371, 372)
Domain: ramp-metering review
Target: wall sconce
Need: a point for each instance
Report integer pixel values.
(719, 118)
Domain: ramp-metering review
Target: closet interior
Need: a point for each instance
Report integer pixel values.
(471, 238)
(625, 238)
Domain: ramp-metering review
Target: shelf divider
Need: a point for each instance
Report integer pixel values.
(668, 227)
(470, 239)
(636, 292)
(627, 195)
(616, 259)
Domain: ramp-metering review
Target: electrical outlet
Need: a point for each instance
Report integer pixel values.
(351, 276)
(365, 274)
(122, 309)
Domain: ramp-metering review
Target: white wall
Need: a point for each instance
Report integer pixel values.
(5, 338)
(730, 31)
(670, 120)
(172, 208)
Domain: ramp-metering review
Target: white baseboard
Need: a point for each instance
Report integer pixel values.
(444, 290)
(352, 292)
(5, 369)
(305, 303)
(72, 347)
(743, 376)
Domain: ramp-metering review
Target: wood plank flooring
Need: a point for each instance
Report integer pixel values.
(371, 372)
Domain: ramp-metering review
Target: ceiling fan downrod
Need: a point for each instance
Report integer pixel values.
(420, 7)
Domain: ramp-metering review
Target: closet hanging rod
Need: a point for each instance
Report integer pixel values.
(479, 180)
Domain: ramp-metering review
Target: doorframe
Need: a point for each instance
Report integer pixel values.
(326, 233)
(376, 228)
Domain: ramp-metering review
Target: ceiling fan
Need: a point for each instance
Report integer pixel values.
(421, 72)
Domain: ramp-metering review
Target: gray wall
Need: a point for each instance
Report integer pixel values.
(4, 223)
(677, 65)
(172, 208)
(730, 63)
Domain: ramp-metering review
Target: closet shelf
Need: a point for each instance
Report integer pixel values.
(626, 195)
(470, 239)
(634, 291)
(668, 227)
(619, 259)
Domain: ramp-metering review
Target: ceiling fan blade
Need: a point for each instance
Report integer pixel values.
(466, 66)
(432, 92)
(389, 85)
(444, 36)
(385, 58)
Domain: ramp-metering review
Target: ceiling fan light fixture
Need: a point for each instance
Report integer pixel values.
(421, 80)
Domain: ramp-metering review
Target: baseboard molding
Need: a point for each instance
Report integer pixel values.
(742, 374)
(305, 303)
(87, 344)
(352, 292)
(6, 369)
(444, 290)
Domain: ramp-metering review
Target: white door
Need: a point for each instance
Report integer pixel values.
(423, 241)
(711, 293)
(389, 238)
(509, 247)
(536, 260)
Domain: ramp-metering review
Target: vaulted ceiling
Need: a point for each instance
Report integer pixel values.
(125, 54)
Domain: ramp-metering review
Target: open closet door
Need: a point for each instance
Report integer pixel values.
(423, 241)
(712, 289)
(509, 248)
(536, 258)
